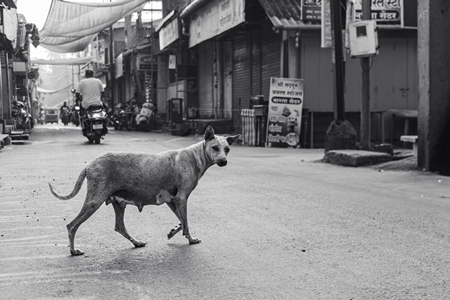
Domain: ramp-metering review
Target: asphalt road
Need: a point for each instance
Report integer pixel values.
(274, 224)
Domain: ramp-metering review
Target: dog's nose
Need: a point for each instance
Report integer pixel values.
(222, 163)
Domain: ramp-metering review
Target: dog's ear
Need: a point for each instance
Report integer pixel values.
(209, 133)
(232, 139)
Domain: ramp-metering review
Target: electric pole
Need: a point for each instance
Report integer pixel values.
(365, 85)
(339, 80)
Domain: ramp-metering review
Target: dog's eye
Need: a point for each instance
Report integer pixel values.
(227, 150)
(215, 148)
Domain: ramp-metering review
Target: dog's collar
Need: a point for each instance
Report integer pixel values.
(206, 154)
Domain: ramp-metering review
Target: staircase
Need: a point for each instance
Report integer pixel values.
(19, 136)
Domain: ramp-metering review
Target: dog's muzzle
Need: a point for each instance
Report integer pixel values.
(222, 163)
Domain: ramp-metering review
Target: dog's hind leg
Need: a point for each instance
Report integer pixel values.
(178, 227)
(89, 208)
(119, 209)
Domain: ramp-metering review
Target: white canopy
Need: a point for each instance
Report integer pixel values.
(71, 26)
(49, 91)
(68, 61)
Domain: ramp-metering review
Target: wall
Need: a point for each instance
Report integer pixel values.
(434, 90)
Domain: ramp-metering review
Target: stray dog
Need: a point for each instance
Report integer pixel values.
(147, 179)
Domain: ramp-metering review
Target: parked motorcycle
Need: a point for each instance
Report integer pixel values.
(23, 118)
(119, 119)
(131, 111)
(144, 117)
(94, 123)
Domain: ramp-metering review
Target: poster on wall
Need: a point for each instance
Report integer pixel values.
(285, 112)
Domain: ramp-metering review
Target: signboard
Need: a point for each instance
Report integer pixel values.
(168, 34)
(172, 62)
(311, 11)
(144, 62)
(326, 38)
(285, 112)
(383, 11)
(386, 12)
(214, 18)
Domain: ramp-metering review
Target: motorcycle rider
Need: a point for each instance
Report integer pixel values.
(63, 110)
(89, 91)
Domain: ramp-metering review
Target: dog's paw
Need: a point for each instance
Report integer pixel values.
(194, 241)
(76, 252)
(139, 244)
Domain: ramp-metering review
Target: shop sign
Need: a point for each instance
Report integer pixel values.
(383, 11)
(326, 37)
(285, 112)
(145, 62)
(311, 11)
(214, 18)
(386, 12)
(168, 34)
(172, 62)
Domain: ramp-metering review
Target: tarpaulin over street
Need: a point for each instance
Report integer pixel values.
(48, 91)
(71, 26)
(68, 61)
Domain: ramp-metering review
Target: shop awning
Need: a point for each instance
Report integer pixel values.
(284, 14)
(71, 26)
(8, 3)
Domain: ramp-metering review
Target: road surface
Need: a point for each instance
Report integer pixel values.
(274, 224)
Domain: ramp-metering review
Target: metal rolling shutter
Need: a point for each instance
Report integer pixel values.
(205, 78)
(241, 75)
(271, 49)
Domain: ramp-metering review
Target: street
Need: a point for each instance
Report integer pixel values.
(274, 223)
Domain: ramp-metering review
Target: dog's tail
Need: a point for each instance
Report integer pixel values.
(76, 189)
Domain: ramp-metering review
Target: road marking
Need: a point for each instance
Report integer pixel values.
(26, 238)
(28, 228)
(33, 277)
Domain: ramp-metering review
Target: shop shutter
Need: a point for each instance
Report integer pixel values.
(271, 60)
(241, 75)
(205, 78)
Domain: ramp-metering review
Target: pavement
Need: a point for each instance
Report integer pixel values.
(402, 159)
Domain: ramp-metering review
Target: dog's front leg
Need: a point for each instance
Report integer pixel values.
(181, 205)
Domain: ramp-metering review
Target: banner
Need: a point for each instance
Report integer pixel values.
(285, 112)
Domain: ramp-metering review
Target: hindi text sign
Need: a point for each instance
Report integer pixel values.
(285, 112)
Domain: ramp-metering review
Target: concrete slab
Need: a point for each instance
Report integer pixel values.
(356, 158)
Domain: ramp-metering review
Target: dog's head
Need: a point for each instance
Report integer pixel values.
(217, 147)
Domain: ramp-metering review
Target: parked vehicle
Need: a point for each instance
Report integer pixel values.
(144, 117)
(131, 111)
(51, 115)
(23, 118)
(119, 119)
(94, 123)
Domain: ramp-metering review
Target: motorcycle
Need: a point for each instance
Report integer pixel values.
(119, 119)
(94, 123)
(23, 118)
(131, 111)
(144, 117)
(65, 117)
(76, 114)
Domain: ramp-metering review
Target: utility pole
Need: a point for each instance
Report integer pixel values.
(112, 66)
(365, 85)
(339, 80)
(340, 134)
